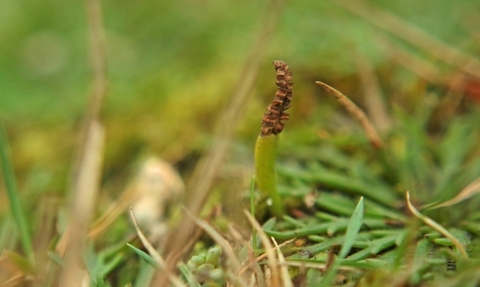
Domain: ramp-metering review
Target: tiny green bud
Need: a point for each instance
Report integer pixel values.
(216, 274)
(213, 255)
(196, 261)
(205, 269)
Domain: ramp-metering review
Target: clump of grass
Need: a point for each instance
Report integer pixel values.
(388, 235)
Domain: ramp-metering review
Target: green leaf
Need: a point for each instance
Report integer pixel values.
(144, 275)
(354, 226)
(144, 256)
(14, 198)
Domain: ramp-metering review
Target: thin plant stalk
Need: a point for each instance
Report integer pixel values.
(356, 113)
(374, 102)
(87, 167)
(267, 141)
(287, 281)
(436, 226)
(265, 156)
(252, 211)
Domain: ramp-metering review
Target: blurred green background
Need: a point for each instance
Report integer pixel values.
(172, 65)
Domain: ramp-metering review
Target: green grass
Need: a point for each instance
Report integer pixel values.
(16, 206)
(170, 69)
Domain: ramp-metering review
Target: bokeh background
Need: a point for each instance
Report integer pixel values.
(172, 65)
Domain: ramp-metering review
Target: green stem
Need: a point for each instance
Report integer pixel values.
(252, 211)
(265, 156)
(13, 197)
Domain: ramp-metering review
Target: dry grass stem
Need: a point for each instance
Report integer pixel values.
(111, 214)
(312, 265)
(372, 93)
(269, 250)
(87, 167)
(153, 252)
(264, 255)
(287, 282)
(14, 281)
(84, 193)
(356, 113)
(413, 35)
(234, 263)
(416, 64)
(253, 264)
(436, 226)
(98, 58)
(155, 186)
(470, 190)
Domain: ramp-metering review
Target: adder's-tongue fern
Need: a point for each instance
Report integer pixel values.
(267, 141)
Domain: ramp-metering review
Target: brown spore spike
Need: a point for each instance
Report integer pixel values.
(272, 120)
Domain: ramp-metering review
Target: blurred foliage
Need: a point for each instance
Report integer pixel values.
(166, 57)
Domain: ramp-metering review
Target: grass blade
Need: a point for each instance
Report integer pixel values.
(13, 196)
(352, 230)
(144, 255)
(158, 261)
(354, 225)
